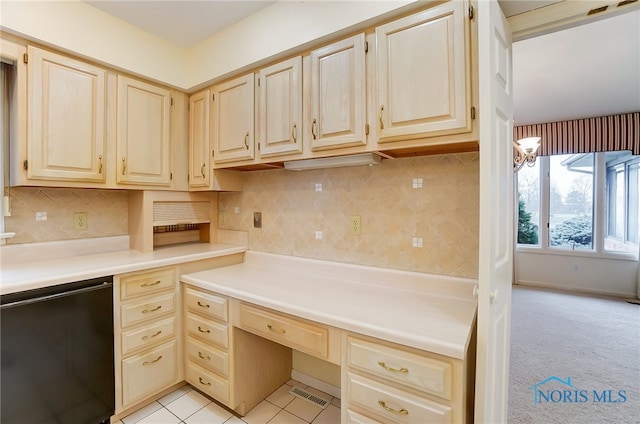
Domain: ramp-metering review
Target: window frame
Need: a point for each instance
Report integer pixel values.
(599, 216)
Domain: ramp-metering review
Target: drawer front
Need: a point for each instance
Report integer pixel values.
(148, 335)
(209, 331)
(149, 372)
(215, 386)
(355, 418)
(290, 332)
(209, 357)
(145, 309)
(146, 283)
(206, 304)
(413, 370)
(394, 404)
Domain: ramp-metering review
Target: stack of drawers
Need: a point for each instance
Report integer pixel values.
(207, 344)
(147, 323)
(383, 382)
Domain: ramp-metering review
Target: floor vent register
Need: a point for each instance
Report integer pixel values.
(303, 394)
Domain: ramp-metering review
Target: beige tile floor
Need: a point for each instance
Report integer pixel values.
(188, 406)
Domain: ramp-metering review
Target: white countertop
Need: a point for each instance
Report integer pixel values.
(425, 311)
(21, 272)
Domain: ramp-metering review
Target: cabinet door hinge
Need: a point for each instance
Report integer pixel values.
(473, 112)
(258, 82)
(213, 153)
(366, 129)
(25, 165)
(366, 47)
(188, 177)
(170, 176)
(471, 12)
(25, 58)
(258, 146)
(172, 101)
(213, 97)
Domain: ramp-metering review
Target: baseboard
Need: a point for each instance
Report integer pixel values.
(315, 383)
(565, 289)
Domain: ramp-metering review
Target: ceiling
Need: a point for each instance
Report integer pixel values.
(585, 71)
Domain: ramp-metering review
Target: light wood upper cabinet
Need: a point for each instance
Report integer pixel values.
(199, 144)
(66, 107)
(143, 133)
(422, 74)
(338, 94)
(233, 119)
(280, 108)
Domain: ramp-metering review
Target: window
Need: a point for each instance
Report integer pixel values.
(622, 213)
(529, 204)
(584, 203)
(571, 201)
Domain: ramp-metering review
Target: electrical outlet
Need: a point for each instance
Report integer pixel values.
(355, 224)
(257, 220)
(80, 221)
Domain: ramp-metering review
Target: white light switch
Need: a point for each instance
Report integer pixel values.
(236, 210)
(417, 183)
(318, 186)
(318, 235)
(417, 242)
(41, 216)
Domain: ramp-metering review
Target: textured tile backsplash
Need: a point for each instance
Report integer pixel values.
(442, 216)
(107, 213)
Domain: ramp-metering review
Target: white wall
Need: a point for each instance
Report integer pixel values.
(570, 272)
(77, 27)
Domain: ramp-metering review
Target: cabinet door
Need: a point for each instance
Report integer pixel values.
(143, 133)
(199, 146)
(422, 74)
(66, 118)
(233, 104)
(280, 108)
(338, 100)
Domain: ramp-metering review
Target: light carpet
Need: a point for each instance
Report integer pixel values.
(594, 342)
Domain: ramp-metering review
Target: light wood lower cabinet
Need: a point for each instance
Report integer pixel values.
(147, 353)
(385, 382)
(233, 366)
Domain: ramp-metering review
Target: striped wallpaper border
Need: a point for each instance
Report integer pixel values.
(600, 134)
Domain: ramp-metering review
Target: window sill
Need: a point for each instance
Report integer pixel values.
(584, 254)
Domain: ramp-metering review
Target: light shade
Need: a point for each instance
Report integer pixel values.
(334, 162)
(529, 144)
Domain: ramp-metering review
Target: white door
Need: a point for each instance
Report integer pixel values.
(496, 214)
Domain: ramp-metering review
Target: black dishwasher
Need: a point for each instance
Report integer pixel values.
(57, 354)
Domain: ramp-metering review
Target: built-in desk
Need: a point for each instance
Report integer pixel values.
(404, 340)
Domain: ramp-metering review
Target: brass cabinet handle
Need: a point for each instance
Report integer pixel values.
(206, 383)
(383, 365)
(294, 131)
(100, 164)
(203, 357)
(203, 331)
(204, 305)
(380, 117)
(124, 165)
(152, 336)
(395, 411)
(204, 165)
(146, 311)
(276, 330)
(246, 141)
(152, 362)
(150, 284)
(313, 129)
